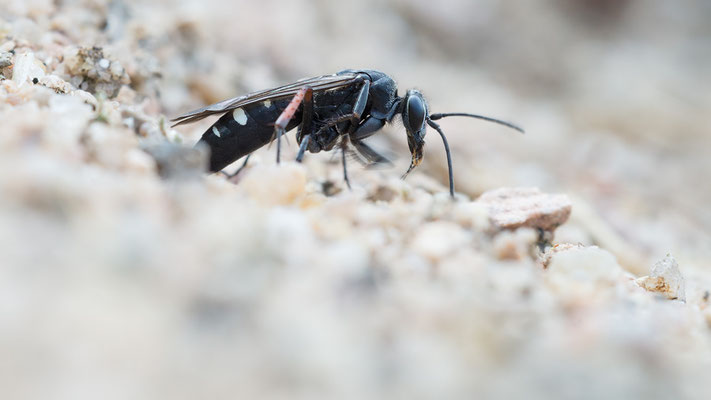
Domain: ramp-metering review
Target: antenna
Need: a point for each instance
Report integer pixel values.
(435, 117)
(449, 155)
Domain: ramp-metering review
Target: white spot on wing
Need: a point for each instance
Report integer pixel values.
(216, 131)
(267, 103)
(239, 116)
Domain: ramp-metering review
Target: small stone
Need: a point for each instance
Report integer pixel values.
(516, 245)
(439, 239)
(330, 188)
(140, 161)
(665, 279)
(583, 275)
(471, 214)
(87, 97)
(585, 264)
(274, 184)
(26, 68)
(55, 83)
(512, 208)
(5, 66)
(117, 69)
(178, 162)
(7, 46)
(107, 145)
(383, 193)
(5, 60)
(126, 95)
(546, 257)
(92, 71)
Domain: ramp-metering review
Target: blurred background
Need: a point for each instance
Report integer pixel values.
(614, 96)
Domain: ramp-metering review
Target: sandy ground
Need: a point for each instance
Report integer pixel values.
(125, 272)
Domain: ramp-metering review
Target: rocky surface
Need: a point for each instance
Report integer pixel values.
(126, 272)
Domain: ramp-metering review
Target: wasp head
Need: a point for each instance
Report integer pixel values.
(414, 115)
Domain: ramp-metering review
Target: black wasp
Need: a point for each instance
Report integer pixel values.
(341, 109)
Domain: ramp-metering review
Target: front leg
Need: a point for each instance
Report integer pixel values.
(367, 129)
(354, 116)
(359, 106)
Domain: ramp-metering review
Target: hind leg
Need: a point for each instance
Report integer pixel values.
(288, 113)
(244, 164)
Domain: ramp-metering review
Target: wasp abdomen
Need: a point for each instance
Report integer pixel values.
(242, 131)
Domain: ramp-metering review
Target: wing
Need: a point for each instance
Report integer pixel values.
(323, 82)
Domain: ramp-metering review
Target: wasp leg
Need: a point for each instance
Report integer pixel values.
(345, 171)
(302, 148)
(367, 128)
(303, 136)
(371, 155)
(360, 104)
(288, 114)
(232, 175)
(354, 116)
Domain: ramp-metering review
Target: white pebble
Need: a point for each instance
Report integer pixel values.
(666, 279)
(26, 68)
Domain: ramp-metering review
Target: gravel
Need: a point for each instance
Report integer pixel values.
(127, 272)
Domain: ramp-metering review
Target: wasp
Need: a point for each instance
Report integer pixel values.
(341, 110)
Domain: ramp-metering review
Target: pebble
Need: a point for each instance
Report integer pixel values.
(179, 162)
(273, 184)
(27, 68)
(512, 208)
(439, 239)
(666, 279)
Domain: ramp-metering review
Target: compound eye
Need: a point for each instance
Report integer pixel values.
(415, 112)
